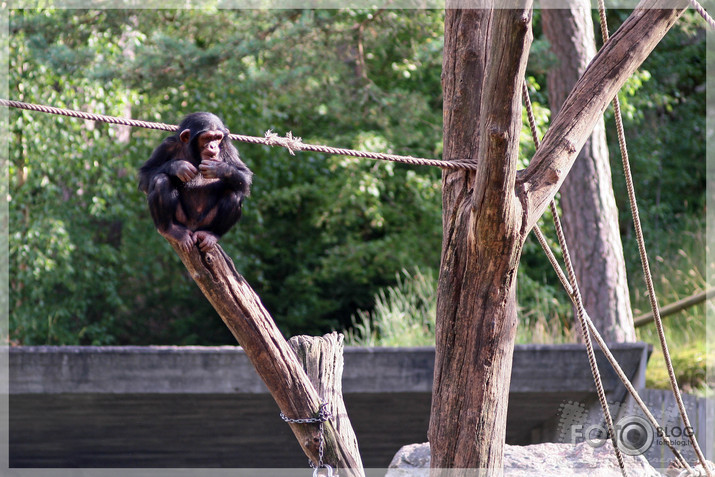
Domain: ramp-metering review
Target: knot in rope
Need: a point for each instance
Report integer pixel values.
(289, 142)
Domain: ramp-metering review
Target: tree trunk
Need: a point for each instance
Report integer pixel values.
(590, 215)
(485, 57)
(488, 213)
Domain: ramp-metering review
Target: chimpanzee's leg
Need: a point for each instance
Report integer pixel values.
(164, 205)
(226, 214)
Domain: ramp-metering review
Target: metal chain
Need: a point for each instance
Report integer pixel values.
(644, 257)
(323, 416)
(270, 139)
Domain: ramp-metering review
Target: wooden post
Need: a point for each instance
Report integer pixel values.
(242, 311)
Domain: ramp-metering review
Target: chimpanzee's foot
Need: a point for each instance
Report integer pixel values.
(181, 235)
(205, 240)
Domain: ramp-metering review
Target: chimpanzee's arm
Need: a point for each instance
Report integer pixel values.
(181, 168)
(167, 159)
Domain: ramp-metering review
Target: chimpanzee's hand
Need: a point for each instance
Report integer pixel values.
(211, 168)
(185, 171)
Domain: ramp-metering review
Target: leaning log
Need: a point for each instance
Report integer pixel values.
(241, 310)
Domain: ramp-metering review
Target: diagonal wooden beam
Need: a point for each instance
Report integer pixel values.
(609, 70)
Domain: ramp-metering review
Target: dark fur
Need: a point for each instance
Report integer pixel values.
(188, 212)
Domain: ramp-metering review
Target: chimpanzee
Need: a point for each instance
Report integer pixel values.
(195, 183)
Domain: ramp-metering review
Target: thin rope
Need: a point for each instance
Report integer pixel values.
(606, 350)
(270, 139)
(699, 8)
(591, 326)
(644, 257)
(576, 298)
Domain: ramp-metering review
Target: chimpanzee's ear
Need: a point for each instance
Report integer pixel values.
(185, 135)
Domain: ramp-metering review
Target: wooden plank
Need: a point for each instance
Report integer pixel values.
(151, 420)
(193, 431)
(212, 430)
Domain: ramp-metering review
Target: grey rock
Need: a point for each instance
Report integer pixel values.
(543, 460)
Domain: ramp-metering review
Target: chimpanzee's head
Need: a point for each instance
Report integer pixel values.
(204, 134)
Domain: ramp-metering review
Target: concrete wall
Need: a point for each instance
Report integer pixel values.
(206, 407)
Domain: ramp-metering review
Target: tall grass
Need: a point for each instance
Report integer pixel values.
(678, 272)
(404, 315)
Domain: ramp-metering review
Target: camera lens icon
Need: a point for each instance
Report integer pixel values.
(634, 435)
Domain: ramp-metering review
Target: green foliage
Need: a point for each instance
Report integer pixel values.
(321, 235)
(664, 118)
(664, 115)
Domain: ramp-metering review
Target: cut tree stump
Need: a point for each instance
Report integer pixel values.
(322, 360)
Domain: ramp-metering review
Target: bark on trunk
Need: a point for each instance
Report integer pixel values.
(590, 215)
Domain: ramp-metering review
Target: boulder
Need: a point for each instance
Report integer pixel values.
(543, 460)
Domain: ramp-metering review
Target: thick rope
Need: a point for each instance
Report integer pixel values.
(576, 298)
(88, 116)
(270, 139)
(699, 8)
(644, 257)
